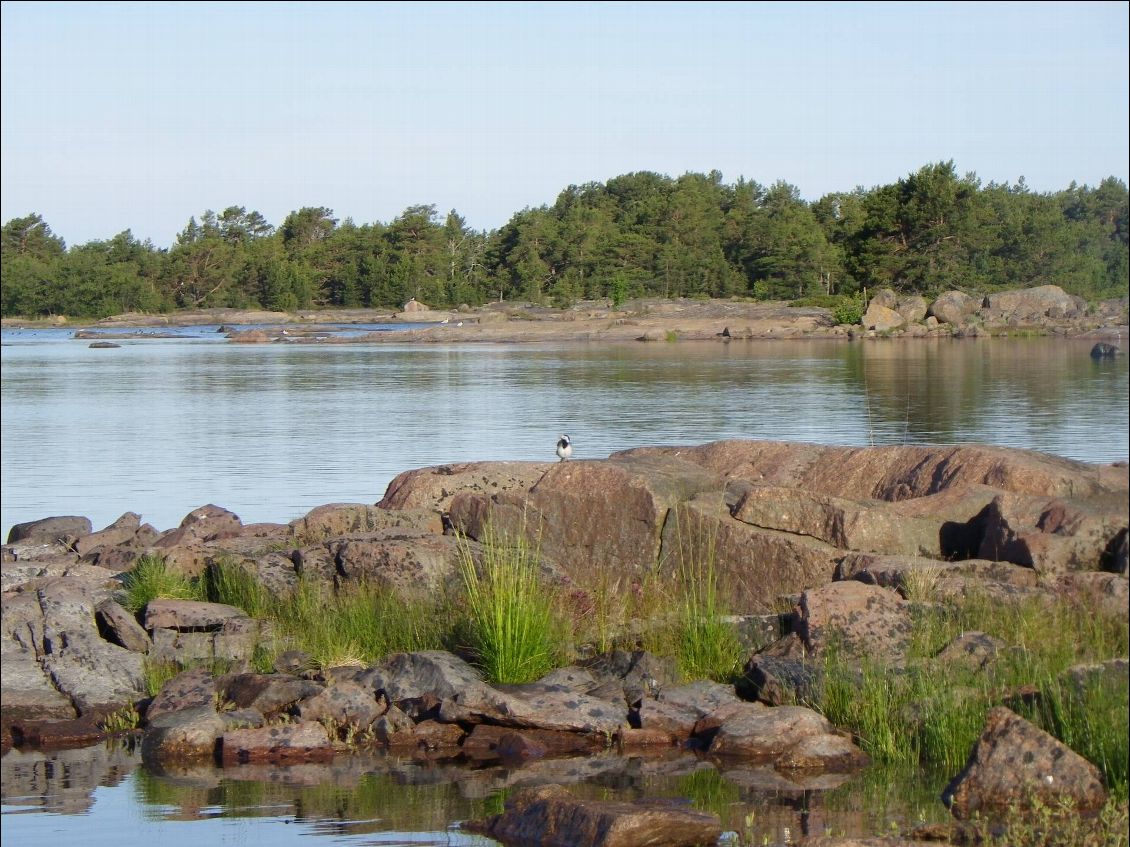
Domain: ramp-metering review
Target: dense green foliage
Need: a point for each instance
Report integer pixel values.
(636, 234)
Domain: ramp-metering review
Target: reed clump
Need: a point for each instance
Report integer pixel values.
(511, 620)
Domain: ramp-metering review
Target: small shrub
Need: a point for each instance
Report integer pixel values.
(672, 336)
(618, 290)
(849, 310)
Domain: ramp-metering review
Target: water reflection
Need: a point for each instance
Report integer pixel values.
(271, 431)
(376, 798)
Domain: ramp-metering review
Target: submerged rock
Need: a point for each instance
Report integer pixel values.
(550, 816)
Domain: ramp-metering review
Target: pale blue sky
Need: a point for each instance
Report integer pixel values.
(138, 115)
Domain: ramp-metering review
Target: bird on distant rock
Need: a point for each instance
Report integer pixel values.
(564, 448)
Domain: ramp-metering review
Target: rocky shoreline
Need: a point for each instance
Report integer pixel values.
(1045, 310)
(837, 536)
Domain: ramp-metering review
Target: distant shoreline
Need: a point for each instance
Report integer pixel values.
(650, 320)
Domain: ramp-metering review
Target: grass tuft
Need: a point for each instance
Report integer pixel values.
(234, 585)
(511, 621)
(151, 579)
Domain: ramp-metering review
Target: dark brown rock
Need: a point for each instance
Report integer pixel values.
(185, 734)
(700, 697)
(121, 627)
(891, 473)
(973, 650)
(826, 751)
(394, 728)
(1014, 764)
(207, 523)
(677, 722)
(872, 526)
(267, 693)
(433, 735)
(767, 732)
(80, 732)
(1053, 536)
(345, 703)
(337, 519)
(410, 561)
(860, 620)
(778, 681)
(49, 530)
(626, 504)
(550, 816)
(535, 708)
(487, 742)
(191, 689)
(285, 744)
(122, 531)
(316, 563)
(752, 565)
(433, 488)
(406, 676)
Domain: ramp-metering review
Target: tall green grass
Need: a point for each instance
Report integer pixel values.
(932, 713)
(152, 579)
(359, 624)
(708, 645)
(228, 582)
(514, 629)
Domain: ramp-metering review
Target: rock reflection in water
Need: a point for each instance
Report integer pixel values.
(361, 794)
(63, 781)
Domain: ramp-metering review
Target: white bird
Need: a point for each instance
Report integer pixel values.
(564, 448)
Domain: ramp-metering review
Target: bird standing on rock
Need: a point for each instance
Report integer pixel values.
(564, 448)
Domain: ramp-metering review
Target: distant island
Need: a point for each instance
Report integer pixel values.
(639, 235)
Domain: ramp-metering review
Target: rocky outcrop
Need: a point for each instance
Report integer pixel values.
(434, 488)
(1032, 305)
(845, 537)
(55, 660)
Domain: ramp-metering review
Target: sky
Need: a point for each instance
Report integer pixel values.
(137, 116)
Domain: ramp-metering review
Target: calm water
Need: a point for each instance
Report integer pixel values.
(103, 797)
(162, 426)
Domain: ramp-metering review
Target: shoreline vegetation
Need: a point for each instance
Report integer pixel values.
(1047, 311)
(638, 235)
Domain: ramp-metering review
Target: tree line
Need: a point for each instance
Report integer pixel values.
(639, 234)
